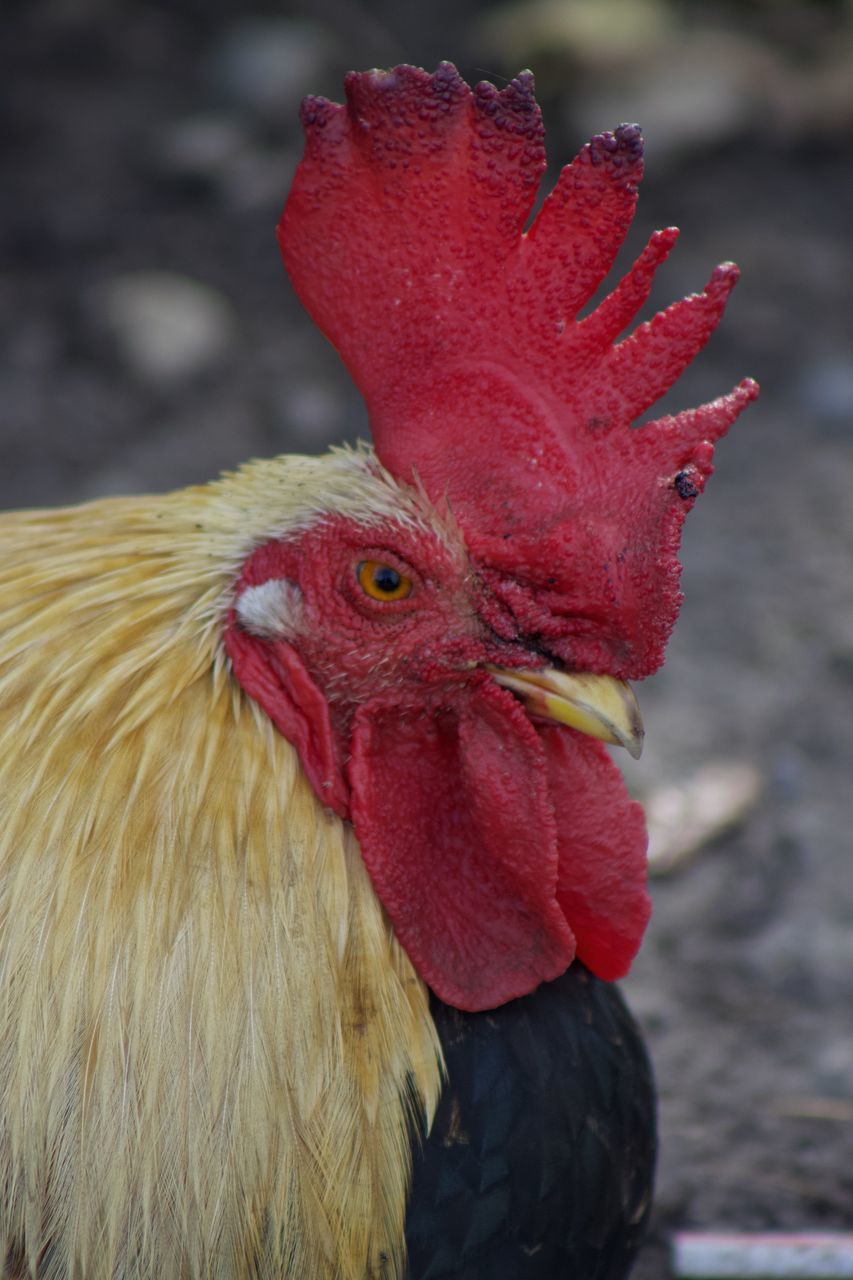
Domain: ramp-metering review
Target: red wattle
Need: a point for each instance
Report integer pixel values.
(457, 831)
(602, 841)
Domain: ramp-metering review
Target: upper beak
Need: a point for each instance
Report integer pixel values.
(600, 706)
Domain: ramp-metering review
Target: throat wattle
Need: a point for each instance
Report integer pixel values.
(496, 865)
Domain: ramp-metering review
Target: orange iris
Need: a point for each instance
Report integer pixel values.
(382, 581)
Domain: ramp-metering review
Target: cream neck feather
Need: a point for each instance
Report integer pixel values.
(210, 1042)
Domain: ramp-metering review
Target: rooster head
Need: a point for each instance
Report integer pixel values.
(447, 648)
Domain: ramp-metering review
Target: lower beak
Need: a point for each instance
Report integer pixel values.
(599, 706)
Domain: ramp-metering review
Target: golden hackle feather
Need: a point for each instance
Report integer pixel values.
(211, 1045)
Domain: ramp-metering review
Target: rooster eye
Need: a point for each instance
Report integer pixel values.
(382, 581)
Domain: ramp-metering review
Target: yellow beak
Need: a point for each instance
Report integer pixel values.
(600, 706)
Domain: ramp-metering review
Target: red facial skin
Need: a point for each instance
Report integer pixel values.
(499, 847)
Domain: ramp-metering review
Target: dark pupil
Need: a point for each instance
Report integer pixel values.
(386, 579)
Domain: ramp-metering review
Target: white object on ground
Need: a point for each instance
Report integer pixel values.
(684, 816)
(713, 1256)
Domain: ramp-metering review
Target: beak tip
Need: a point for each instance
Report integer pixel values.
(598, 705)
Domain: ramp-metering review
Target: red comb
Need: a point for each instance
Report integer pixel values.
(404, 237)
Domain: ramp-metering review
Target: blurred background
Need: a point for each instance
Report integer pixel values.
(150, 339)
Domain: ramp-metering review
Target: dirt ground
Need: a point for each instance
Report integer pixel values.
(146, 149)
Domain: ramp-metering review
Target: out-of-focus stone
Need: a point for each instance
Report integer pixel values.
(268, 64)
(201, 146)
(599, 33)
(219, 151)
(165, 326)
(692, 89)
(684, 816)
(689, 84)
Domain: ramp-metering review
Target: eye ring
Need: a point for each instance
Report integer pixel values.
(382, 581)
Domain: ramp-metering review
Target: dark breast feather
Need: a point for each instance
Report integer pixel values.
(541, 1157)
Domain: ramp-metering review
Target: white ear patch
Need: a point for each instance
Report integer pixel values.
(273, 610)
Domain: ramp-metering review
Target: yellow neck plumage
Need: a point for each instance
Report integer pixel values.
(210, 1041)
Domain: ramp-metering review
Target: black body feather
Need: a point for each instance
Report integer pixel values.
(540, 1160)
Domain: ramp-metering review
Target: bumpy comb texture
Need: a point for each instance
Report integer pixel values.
(404, 237)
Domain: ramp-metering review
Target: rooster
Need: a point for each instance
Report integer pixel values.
(314, 867)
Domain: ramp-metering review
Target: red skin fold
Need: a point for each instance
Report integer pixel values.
(500, 847)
